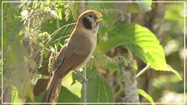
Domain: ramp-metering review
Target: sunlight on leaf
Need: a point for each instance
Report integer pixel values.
(135, 64)
(139, 40)
(14, 94)
(144, 94)
(59, 13)
(149, 2)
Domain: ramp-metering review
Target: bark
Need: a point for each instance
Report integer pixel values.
(153, 21)
(128, 75)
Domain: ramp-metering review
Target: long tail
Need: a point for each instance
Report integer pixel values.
(53, 89)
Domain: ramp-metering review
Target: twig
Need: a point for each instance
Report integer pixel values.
(84, 71)
(84, 86)
(143, 70)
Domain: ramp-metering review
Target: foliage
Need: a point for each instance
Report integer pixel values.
(143, 93)
(98, 90)
(173, 46)
(33, 30)
(140, 41)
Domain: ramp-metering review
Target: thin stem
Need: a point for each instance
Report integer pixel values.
(84, 70)
(118, 92)
(84, 86)
(143, 70)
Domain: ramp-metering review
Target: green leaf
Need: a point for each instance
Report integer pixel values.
(119, 80)
(64, 32)
(41, 6)
(144, 7)
(98, 90)
(59, 13)
(17, 29)
(20, 37)
(75, 78)
(12, 24)
(36, 98)
(174, 71)
(67, 96)
(113, 66)
(144, 94)
(12, 10)
(20, 52)
(36, 4)
(14, 94)
(140, 41)
(149, 2)
(113, 42)
(135, 64)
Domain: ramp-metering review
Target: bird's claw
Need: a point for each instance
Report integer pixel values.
(84, 80)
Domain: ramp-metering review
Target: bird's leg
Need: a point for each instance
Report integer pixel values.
(84, 80)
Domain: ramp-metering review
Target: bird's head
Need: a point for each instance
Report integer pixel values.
(90, 20)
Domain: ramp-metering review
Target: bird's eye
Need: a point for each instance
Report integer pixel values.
(90, 15)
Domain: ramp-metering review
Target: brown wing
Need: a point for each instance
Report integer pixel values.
(71, 63)
(75, 53)
(58, 61)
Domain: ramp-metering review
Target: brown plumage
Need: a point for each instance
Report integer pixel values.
(75, 53)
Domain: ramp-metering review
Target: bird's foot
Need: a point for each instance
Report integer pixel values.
(84, 80)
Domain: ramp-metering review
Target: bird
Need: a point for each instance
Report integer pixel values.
(75, 53)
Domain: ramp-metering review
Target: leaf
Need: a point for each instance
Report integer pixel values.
(174, 71)
(67, 96)
(113, 66)
(113, 42)
(98, 90)
(20, 52)
(14, 94)
(36, 98)
(144, 94)
(12, 10)
(20, 37)
(75, 78)
(59, 13)
(135, 65)
(41, 6)
(17, 29)
(63, 33)
(149, 2)
(140, 41)
(144, 7)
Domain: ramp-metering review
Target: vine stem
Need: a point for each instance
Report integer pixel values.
(143, 70)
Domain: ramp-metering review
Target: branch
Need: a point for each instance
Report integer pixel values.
(128, 75)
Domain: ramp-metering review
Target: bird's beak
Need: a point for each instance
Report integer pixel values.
(99, 15)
